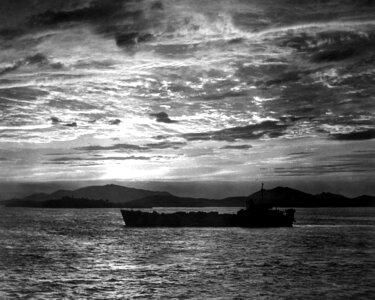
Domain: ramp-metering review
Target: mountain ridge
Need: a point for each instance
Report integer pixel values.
(111, 192)
(121, 196)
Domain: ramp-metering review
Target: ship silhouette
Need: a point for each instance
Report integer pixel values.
(253, 215)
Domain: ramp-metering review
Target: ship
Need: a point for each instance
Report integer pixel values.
(253, 215)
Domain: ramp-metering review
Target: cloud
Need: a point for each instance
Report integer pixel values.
(214, 95)
(10, 33)
(356, 155)
(322, 169)
(59, 154)
(287, 77)
(73, 124)
(11, 68)
(255, 131)
(55, 120)
(329, 45)
(333, 55)
(22, 93)
(99, 11)
(157, 5)
(112, 147)
(150, 146)
(354, 135)
(354, 162)
(38, 59)
(239, 147)
(301, 154)
(131, 39)
(123, 20)
(115, 122)
(165, 145)
(69, 159)
(163, 117)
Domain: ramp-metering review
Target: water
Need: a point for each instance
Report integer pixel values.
(88, 253)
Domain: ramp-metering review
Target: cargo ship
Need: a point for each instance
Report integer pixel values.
(253, 215)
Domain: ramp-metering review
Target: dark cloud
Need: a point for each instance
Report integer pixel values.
(301, 154)
(354, 135)
(112, 147)
(115, 122)
(11, 68)
(362, 156)
(150, 146)
(286, 78)
(73, 124)
(163, 117)
(239, 147)
(55, 120)
(69, 159)
(157, 5)
(165, 145)
(355, 162)
(59, 154)
(131, 39)
(250, 20)
(330, 46)
(268, 128)
(365, 151)
(95, 64)
(329, 168)
(38, 59)
(333, 55)
(22, 93)
(97, 11)
(63, 103)
(124, 20)
(221, 95)
(10, 33)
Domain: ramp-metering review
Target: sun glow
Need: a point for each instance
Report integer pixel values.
(134, 170)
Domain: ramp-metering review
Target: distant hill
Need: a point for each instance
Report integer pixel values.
(120, 196)
(287, 197)
(111, 192)
(283, 197)
(364, 200)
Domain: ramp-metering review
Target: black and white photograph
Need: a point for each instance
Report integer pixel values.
(187, 149)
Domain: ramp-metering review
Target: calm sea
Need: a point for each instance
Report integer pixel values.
(89, 254)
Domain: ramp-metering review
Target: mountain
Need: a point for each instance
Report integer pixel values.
(282, 196)
(119, 196)
(111, 192)
(288, 197)
(365, 200)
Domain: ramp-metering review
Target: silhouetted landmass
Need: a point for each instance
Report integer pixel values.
(119, 196)
(111, 192)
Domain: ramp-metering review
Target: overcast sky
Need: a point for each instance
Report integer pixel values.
(245, 91)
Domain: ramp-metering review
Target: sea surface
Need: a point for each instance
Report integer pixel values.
(90, 254)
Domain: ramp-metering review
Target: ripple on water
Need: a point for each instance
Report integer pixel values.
(48, 254)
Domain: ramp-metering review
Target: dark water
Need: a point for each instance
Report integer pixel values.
(88, 253)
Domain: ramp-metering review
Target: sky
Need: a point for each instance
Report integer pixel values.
(183, 91)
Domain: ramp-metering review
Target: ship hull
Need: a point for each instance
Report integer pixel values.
(243, 218)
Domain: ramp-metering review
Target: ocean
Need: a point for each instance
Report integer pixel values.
(90, 254)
